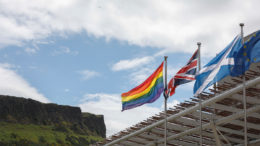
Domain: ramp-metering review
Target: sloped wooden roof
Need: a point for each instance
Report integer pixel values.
(226, 113)
(222, 105)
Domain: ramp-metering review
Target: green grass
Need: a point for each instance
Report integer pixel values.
(86, 114)
(42, 134)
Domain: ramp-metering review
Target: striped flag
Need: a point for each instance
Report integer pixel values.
(218, 68)
(185, 74)
(147, 92)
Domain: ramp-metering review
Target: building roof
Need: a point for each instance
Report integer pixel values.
(222, 110)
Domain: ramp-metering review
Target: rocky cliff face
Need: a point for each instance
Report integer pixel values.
(28, 111)
(94, 124)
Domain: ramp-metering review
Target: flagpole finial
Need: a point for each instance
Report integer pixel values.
(242, 33)
(165, 57)
(199, 44)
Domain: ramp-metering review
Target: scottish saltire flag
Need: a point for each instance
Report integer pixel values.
(185, 74)
(249, 53)
(219, 67)
(147, 92)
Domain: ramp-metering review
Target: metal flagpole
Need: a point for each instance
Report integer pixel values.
(244, 92)
(199, 66)
(165, 100)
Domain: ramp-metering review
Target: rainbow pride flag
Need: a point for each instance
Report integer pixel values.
(147, 92)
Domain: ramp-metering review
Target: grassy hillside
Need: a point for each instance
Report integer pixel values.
(31, 134)
(26, 122)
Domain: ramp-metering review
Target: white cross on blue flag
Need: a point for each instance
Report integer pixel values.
(218, 68)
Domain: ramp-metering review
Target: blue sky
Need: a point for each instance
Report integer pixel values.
(64, 69)
(86, 53)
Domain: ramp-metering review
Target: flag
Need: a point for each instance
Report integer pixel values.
(219, 67)
(249, 53)
(147, 92)
(185, 74)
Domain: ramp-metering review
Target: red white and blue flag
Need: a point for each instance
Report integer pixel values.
(185, 74)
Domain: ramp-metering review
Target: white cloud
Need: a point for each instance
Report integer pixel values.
(110, 106)
(187, 86)
(172, 25)
(171, 71)
(133, 63)
(30, 50)
(67, 90)
(88, 74)
(140, 75)
(140, 68)
(172, 104)
(14, 85)
(64, 50)
(33, 48)
(8, 66)
(32, 67)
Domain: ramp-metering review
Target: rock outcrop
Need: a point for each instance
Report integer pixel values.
(28, 111)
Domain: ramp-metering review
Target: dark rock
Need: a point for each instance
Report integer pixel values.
(28, 111)
(95, 123)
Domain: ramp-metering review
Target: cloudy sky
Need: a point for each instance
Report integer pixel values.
(87, 52)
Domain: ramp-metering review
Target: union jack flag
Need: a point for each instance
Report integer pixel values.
(185, 74)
